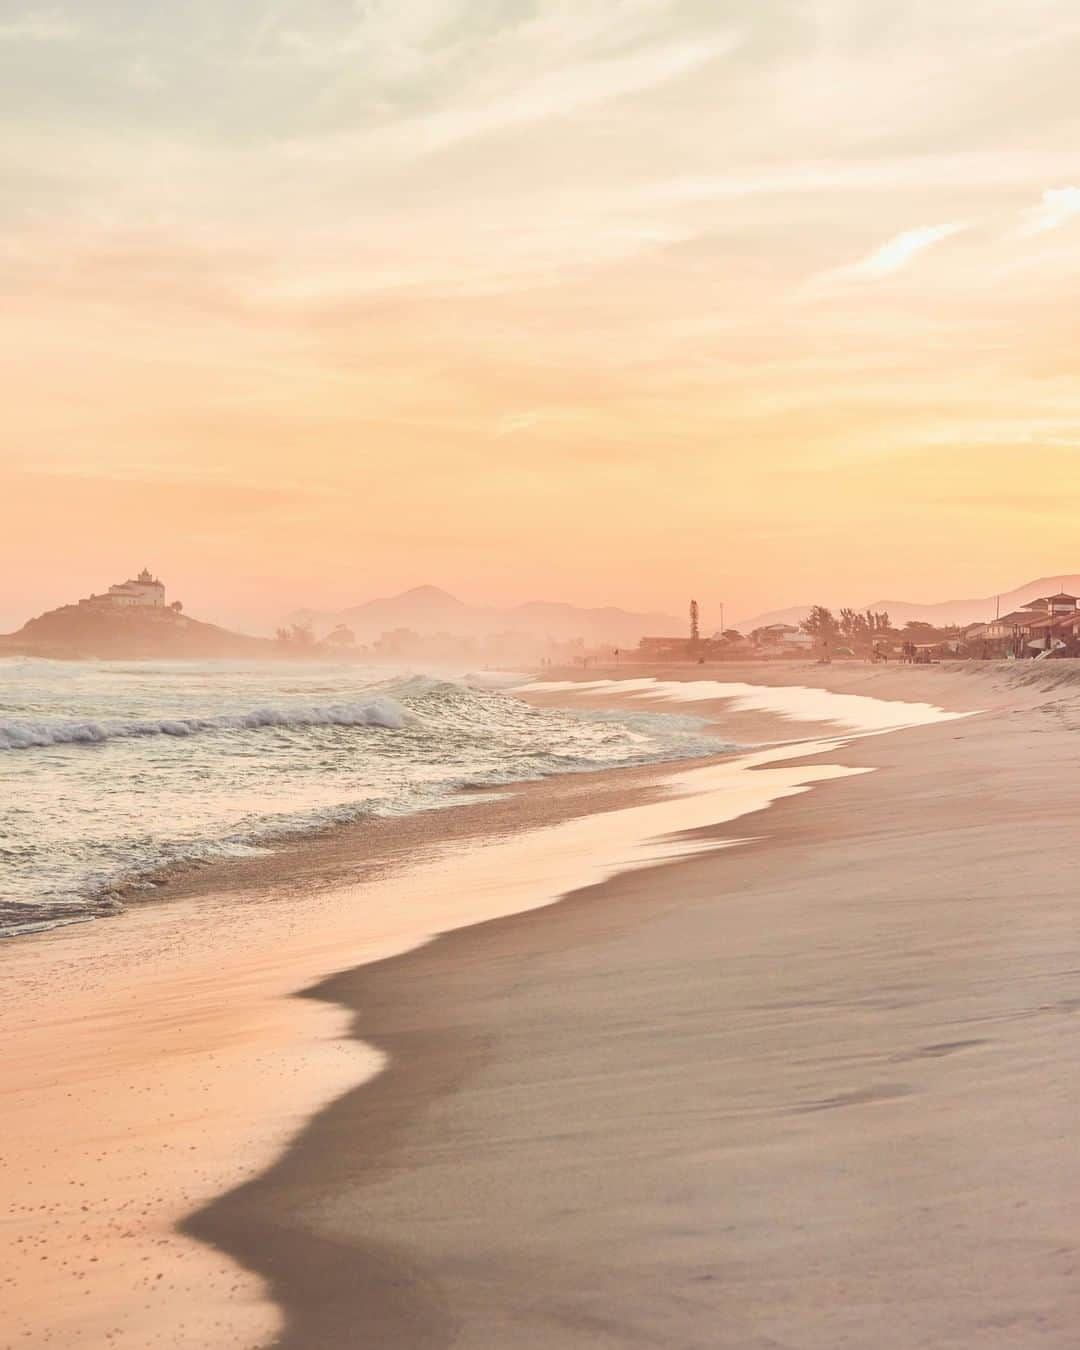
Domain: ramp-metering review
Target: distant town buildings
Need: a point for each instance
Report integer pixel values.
(1048, 626)
(667, 648)
(776, 639)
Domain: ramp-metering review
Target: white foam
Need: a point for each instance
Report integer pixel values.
(245, 756)
(24, 734)
(797, 703)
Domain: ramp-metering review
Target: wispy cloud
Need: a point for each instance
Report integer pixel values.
(399, 41)
(892, 257)
(513, 424)
(1057, 206)
(884, 262)
(395, 41)
(976, 170)
(43, 27)
(566, 91)
(548, 420)
(558, 94)
(899, 251)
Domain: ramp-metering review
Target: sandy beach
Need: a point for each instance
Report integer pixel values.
(539, 675)
(787, 1067)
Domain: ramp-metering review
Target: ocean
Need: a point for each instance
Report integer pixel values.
(114, 774)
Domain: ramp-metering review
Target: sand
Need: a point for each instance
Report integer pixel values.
(811, 1090)
(149, 1062)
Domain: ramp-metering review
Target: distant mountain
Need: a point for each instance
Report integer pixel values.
(76, 632)
(794, 615)
(427, 610)
(941, 613)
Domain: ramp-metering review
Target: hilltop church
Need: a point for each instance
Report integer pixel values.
(144, 590)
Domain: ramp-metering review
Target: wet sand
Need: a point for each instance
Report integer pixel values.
(807, 1091)
(151, 1061)
(814, 1091)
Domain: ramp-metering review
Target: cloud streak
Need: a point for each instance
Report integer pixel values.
(892, 257)
(902, 250)
(555, 96)
(44, 27)
(1058, 206)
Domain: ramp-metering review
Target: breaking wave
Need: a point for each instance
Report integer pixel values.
(134, 773)
(22, 734)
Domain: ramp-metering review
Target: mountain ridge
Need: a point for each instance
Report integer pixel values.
(429, 610)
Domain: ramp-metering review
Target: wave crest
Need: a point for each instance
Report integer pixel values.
(25, 734)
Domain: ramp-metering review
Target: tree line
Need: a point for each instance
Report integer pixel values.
(862, 628)
(857, 627)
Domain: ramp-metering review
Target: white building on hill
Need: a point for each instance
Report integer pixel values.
(144, 590)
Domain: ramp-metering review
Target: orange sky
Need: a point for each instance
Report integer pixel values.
(611, 301)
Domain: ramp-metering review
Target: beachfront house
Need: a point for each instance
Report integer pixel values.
(1008, 626)
(1055, 629)
(1055, 606)
(1047, 623)
(1049, 629)
(782, 636)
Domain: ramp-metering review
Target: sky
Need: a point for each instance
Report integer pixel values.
(607, 301)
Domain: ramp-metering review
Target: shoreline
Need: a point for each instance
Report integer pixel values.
(292, 851)
(710, 1103)
(324, 855)
(159, 1059)
(338, 1071)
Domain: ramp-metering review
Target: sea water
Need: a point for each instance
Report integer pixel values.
(114, 773)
